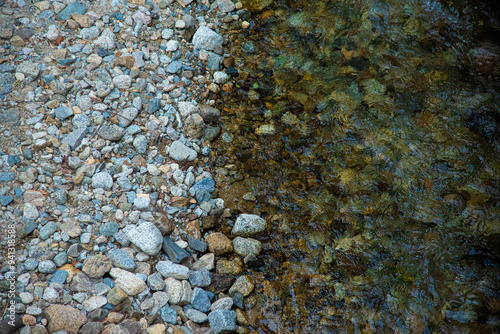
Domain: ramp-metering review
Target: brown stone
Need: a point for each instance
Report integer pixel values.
(228, 87)
(222, 282)
(17, 41)
(34, 197)
(180, 202)
(209, 222)
(78, 178)
(218, 244)
(114, 317)
(64, 318)
(241, 318)
(127, 61)
(228, 267)
(165, 225)
(193, 228)
(228, 62)
(96, 266)
(177, 330)
(71, 270)
(28, 319)
(83, 20)
(194, 125)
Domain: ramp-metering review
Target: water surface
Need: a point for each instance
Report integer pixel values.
(367, 133)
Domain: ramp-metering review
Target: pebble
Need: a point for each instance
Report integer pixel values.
(200, 300)
(218, 244)
(170, 269)
(102, 180)
(180, 152)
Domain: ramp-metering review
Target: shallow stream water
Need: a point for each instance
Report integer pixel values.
(366, 132)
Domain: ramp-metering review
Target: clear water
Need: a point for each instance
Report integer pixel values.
(368, 133)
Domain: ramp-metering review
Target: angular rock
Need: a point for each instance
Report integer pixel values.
(209, 113)
(200, 300)
(147, 237)
(207, 39)
(175, 253)
(74, 139)
(222, 321)
(244, 285)
(119, 258)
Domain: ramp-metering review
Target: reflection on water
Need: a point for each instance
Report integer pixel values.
(368, 133)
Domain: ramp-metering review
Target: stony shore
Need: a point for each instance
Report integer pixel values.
(106, 122)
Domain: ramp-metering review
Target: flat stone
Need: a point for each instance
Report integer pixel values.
(75, 7)
(196, 316)
(170, 269)
(94, 302)
(111, 132)
(180, 152)
(206, 261)
(127, 116)
(225, 303)
(74, 139)
(174, 252)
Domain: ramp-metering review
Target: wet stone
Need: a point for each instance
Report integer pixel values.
(248, 225)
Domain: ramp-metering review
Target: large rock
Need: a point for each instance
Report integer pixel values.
(180, 152)
(64, 318)
(147, 237)
(249, 225)
(128, 282)
(72, 8)
(207, 39)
